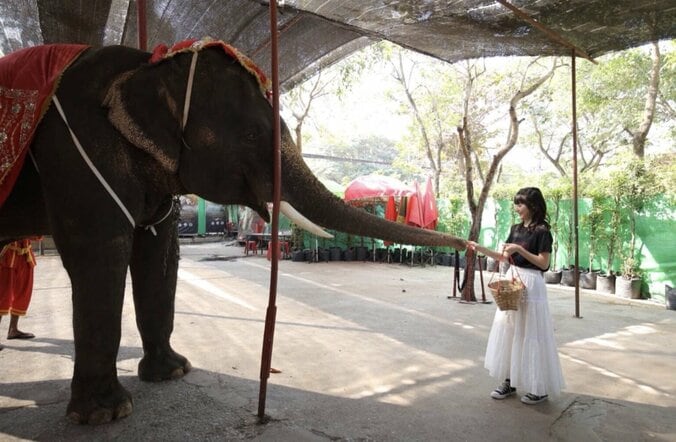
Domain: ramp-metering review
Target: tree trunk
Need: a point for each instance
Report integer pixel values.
(476, 207)
(640, 135)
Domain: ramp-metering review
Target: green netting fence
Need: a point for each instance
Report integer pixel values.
(600, 225)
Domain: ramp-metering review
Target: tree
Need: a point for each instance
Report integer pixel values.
(429, 89)
(639, 135)
(624, 90)
(363, 156)
(532, 78)
(299, 101)
(335, 80)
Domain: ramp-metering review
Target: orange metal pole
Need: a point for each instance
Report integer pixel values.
(575, 192)
(141, 24)
(271, 314)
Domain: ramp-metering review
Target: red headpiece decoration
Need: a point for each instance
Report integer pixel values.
(162, 52)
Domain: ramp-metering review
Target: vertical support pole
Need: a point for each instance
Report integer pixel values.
(455, 284)
(481, 277)
(141, 25)
(576, 271)
(271, 313)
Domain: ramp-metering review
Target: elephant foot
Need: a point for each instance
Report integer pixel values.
(100, 408)
(163, 366)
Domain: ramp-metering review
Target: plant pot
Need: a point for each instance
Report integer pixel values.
(335, 253)
(568, 277)
(297, 256)
(462, 262)
(348, 255)
(553, 277)
(324, 255)
(588, 280)
(605, 283)
(445, 260)
(670, 297)
(381, 255)
(628, 288)
(362, 253)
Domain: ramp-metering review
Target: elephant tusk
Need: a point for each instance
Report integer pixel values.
(302, 222)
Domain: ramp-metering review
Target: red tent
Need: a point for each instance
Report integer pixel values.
(375, 188)
(422, 207)
(391, 209)
(430, 212)
(414, 211)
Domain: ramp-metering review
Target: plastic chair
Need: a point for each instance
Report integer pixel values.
(283, 248)
(251, 246)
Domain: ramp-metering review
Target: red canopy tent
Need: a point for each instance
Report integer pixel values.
(375, 188)
(419, 206)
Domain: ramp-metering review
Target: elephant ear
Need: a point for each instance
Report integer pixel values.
(141, 107)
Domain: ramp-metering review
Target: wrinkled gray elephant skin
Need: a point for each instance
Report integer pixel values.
(127, 115)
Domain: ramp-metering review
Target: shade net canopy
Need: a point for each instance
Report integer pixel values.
(317, 33)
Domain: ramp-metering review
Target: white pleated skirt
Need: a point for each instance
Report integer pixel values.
(521, 345)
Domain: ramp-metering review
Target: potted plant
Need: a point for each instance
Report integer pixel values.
(556, 194)
(637, 184)
(568, 272)
(608, 202)
(591, 222)
(628, 285)
(348, 255)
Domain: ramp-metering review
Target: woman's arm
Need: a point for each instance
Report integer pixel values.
(541, 260)
(488, 252)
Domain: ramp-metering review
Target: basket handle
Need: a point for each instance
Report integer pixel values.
(512, 269)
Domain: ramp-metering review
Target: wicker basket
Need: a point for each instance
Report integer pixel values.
(507, 293)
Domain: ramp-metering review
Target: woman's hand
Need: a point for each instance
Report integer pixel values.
(512, 248)
(541, 260)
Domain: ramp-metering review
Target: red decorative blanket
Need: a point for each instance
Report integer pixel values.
(28, 79)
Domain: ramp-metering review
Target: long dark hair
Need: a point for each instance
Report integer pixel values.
(532, 198)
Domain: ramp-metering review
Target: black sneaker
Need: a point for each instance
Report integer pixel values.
(532, 399)
(503, 391)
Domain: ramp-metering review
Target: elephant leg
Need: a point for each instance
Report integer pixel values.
(154, 265)
(97, 271)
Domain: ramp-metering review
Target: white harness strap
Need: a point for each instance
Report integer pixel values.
(91, 165)
(186, 109)
(188, 93)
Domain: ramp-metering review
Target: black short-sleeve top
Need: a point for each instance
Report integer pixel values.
(536, 240)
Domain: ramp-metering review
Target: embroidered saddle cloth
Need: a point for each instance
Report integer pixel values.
(28, 79)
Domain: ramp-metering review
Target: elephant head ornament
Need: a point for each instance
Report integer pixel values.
(192, 122)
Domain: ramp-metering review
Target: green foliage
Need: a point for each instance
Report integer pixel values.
(453, 216)
(369, 155)
(631, 269)
(592, 223)
(613, 93)
(555, 191)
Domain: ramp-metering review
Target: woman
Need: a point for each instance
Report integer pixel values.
(521, 346)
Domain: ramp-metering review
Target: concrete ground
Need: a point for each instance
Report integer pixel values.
(365, 351)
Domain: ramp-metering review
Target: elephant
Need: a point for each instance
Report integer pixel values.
(129, 115)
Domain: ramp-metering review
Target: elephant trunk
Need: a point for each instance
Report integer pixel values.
(309, 196)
